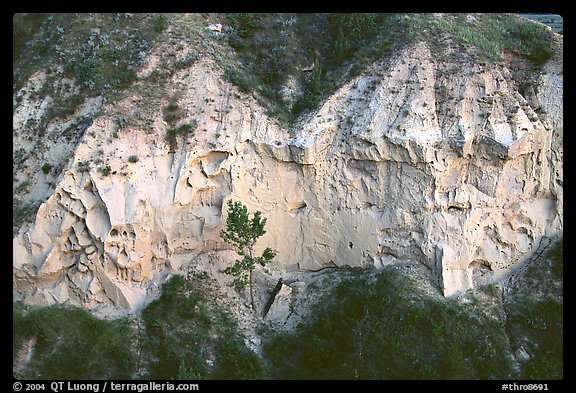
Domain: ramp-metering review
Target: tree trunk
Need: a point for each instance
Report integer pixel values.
(251, 291)
(252, 261)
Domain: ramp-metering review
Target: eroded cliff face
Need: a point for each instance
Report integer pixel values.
(445, 163)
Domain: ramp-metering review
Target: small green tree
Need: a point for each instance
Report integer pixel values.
(242, 232)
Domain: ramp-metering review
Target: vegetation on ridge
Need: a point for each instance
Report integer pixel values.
(319, 52)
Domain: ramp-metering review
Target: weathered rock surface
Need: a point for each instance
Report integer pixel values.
(443, 163)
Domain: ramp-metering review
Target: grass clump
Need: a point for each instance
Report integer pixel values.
(105, 170)
(184, 130)
(83, 166)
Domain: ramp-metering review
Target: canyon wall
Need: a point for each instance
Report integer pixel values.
(446, 163)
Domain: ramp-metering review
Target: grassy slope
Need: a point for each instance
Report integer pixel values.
(182, 335)
(274, 48)
(535, 311)
(392, 329)
(368, 327)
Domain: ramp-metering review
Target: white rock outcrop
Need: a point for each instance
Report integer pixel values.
(447, 164)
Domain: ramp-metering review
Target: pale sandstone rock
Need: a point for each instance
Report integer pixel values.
(443, 164)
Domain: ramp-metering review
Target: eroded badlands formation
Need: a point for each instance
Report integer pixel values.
(444, 163)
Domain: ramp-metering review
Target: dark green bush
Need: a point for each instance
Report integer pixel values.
(46, 168)
(88, 73)
(242, 80)
(159, 23)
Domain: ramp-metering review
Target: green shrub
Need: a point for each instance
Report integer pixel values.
(46, 168)
(171, 107)
(133, 158)
(172, 112)
(186, 129)
(245, 82)
(105, 170)
(159, 23)
(88, 73)
(83, 166)
(122, 79)
(246, 23)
